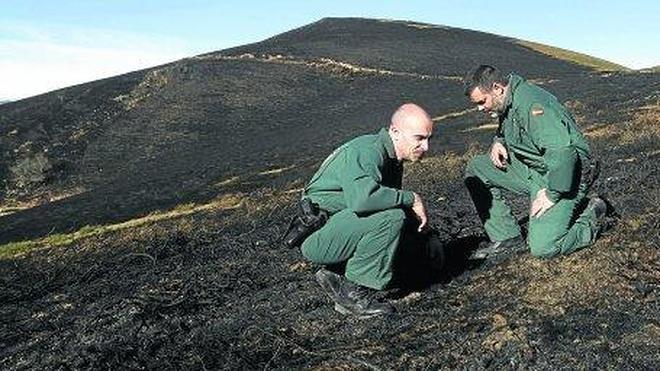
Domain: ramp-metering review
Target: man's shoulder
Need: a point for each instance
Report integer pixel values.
(368, 145)
(364, 142)
(534, 101)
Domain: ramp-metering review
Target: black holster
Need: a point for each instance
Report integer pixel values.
(308, 219)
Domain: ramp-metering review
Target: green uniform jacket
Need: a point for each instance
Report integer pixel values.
(363, 175)
(541, 133)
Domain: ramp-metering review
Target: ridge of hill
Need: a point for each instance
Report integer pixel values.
(654, 69)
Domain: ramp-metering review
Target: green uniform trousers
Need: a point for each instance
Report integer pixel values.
(367, 244)
(560, 230)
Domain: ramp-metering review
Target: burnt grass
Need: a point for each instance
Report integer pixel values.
(215, 290)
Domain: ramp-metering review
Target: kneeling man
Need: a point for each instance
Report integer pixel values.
(538, 151)
(359, 185)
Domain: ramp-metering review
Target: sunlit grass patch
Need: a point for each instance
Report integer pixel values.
(11, 206)
(554, 285)
(153, 81)
(574, 57)
(228, 181)
(180, 219)
(643, 125)
(452, 115)
(277, 170)
(648, 335)
(484, 127)
(450, 165)
(60, 239)
(502, 333)
(223, 202)
(634, 228)
(603, 269)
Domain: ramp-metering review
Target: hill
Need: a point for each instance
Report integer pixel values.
(122, 147)
(140, 213)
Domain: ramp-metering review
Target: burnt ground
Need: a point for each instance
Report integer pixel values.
(212, 289)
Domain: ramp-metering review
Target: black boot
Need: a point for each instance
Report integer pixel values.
(362, 302)
(350, 298)
(331, 283)
(601, 209)
(497, 248)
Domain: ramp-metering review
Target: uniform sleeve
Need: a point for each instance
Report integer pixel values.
(549, 132)
(362, 186)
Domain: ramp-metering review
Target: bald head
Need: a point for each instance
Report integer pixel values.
(410, 129)
(409, 115)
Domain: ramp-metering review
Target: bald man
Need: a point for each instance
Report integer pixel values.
(359, 185)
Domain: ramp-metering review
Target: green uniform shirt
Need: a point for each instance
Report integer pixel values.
(541, 133)
(363, 175)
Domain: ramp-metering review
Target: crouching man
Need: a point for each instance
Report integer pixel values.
(538, 151)
(359, 186)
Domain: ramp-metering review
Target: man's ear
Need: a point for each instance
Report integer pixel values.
(395, 132)
(498, 88)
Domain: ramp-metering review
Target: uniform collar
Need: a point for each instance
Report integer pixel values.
(512, 86)
(514, 82)
(386, 140)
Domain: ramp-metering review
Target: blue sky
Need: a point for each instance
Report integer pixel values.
(45, 45)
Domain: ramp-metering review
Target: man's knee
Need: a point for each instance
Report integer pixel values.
(395, 216)
(309, 248)
(544, 248)
(476, 165)
(315, 246)
(471, 168)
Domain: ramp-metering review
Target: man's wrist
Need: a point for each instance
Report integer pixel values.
(409, 198)
(498, 139)
(553, 196)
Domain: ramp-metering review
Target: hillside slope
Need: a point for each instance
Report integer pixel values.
(124, 146)
(151, 203)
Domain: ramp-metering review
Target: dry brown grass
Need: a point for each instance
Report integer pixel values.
(10, 206)
(502, 333)
(152, 82)
(484, 127)
(222, 203)
(644, 124)
(449, 165)
(649, 335)
(230, 209)
(452, 115)
(554, 286)
(327, 65)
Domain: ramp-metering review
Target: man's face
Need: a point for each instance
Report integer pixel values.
(491, 101)
(413, 141)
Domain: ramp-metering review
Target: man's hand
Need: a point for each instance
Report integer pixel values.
(540, 204)
(420, 212)
(499, 155)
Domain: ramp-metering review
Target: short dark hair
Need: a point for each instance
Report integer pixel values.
(483, 77)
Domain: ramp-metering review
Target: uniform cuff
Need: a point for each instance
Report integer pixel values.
(408, 198)
(553, 196)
